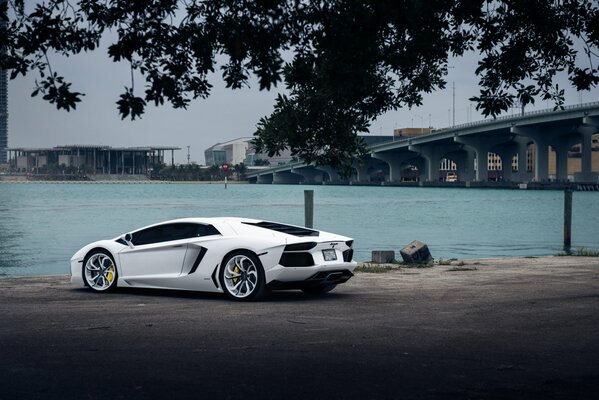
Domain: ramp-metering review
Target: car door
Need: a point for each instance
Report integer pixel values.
(158, 252)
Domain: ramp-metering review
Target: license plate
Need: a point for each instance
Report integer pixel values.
(329, 255)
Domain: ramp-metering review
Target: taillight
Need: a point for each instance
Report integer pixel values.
(300, 246)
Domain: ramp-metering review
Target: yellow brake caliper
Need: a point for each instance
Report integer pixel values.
(235, 278)
(110, 273)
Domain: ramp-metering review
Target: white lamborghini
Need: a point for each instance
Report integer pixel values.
(241, 257)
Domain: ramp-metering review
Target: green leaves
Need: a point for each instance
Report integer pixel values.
(56, 91)
(130, 105)
(349, 61)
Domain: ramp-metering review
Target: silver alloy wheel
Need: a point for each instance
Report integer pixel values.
(240, 276)
(100, 271)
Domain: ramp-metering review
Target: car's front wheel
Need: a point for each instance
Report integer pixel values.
(242, 276)
(99, 271)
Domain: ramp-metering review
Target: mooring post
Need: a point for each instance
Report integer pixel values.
(309, 208)
(567, 219)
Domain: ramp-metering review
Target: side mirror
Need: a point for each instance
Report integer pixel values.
(128, 239)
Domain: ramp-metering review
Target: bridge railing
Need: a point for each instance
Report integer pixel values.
(482, 122)
(519, 116)
(488, 121)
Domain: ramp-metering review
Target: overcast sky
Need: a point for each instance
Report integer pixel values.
(226, 114)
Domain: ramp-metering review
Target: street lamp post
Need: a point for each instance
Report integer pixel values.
(453, 103)
(421, 122)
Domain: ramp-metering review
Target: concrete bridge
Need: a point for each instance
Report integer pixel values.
(521, 146)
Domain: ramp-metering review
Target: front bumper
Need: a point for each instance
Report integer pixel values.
(77, 271)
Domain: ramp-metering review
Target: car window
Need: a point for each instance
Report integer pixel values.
(147, 236)
(170, 232)
(206, 230)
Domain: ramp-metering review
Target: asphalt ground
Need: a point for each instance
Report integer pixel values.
(499, 329)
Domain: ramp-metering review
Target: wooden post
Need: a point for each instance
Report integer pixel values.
(567, 219)
(309, 208)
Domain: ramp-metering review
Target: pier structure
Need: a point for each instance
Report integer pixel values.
(544, 146)
(91, 159)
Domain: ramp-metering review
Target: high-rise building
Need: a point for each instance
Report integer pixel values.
(3, 115)
(3, 111)
(231, 152)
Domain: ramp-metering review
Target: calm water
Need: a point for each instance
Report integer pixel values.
(42, 225)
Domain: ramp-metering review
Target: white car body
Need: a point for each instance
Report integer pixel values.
(194, 263)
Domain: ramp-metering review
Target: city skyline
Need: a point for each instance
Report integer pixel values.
(225, 115)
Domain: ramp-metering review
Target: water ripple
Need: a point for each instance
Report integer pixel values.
(41, 226)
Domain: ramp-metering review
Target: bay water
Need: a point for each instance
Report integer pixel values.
(42, 225)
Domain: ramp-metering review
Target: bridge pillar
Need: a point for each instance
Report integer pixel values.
(286, 177)
(587, 158)
(482, 146)
(266, 178)
(395, 161)
(523, 175)
(561, 159)
(561, 147)
(589, 128)
(507, 151)
(364, 167)
(309, 175)
(542, 138)
(433, 155)
(465, 163)
(541, 159)
(361, 173)
(422, 164)
(333, 174)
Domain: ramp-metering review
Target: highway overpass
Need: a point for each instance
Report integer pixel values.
(525, 144)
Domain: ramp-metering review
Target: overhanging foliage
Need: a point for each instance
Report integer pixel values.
(351, 60)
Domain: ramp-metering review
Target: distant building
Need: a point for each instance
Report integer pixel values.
(231, 152)
(93, 159)
(252, 157)
(408, 132)
(3, 111)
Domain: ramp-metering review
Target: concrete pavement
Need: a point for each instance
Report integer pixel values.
(498, 329)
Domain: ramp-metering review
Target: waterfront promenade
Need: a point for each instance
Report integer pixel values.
(519, 328)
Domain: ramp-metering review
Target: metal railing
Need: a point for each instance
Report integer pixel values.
(483, 122)
(522, 116)
(490, 121)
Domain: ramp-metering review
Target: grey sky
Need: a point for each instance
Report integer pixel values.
(225, 115)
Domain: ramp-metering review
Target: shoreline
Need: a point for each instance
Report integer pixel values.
(116, 181)
(531, 186)
(494, 262)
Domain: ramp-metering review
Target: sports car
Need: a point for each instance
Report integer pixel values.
(244, 258)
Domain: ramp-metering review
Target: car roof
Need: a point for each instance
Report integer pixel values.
(241, 226)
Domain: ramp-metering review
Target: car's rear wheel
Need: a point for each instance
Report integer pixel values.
(99, 271)
(242, 276)
(320, 289)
